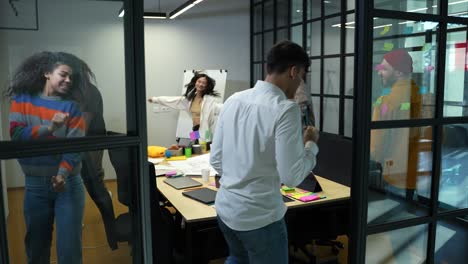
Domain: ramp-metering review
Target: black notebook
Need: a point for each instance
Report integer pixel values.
(182, 182)
(203, 195)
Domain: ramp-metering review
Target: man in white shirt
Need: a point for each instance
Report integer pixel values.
(258, 145)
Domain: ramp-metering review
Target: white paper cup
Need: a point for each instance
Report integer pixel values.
(205, 174)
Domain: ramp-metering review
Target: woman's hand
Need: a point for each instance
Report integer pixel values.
(58, 183)
(57, 121)
(150, 100)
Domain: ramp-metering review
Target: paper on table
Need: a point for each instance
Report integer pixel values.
(155, 160)
(190, 166)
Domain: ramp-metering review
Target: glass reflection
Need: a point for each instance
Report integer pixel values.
(314, 9)
(350, 26)
(407, 245)
(331, 82)
(404, 78)
(268, 18)
(453, 187)
(315, 67)
(281, 13)
(349, 75)
(348, 125)
(296, 34)
(423, 6)
(456, 87)
(400, 173)
(331, 113)
(331, 7)
(314, 37)
(85, 210)
(458, 8)
(296, 11)
(332, 41)
(257, 21)
(451, 235)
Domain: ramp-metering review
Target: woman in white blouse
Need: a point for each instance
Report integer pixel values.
(200, 100)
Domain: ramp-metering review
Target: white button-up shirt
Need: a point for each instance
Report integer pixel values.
(258, 145)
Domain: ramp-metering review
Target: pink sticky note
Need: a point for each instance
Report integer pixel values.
(309, 198)
(194, 135)
(384, 109)
(171, 173)
(379, 67)
(429, 68)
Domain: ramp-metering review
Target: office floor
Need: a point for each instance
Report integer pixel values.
(95, 248)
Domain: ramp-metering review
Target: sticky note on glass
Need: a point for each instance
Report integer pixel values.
(408, 30)
(384, 109)
(423, 90)
(386, 91)
(405, 106)
(388, 46)
(379, 67)
(194, 135)
(207, 134)
(385, 30)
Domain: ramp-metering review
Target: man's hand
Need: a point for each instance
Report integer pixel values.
(311, 134)
(57, 121)
(58, 183)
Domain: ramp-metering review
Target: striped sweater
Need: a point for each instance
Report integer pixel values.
(29, 119)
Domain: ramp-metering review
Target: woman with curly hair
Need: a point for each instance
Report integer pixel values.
(200, 100)
(45, 94)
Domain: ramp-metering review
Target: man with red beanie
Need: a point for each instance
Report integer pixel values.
(396, 149)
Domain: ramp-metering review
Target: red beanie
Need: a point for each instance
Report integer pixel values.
(400, 60)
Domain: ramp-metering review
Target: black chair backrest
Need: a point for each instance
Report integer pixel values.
(335, 158)
(122, 162)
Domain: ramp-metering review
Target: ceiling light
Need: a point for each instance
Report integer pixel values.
(184, 7)
(154, 15)
(121, 12)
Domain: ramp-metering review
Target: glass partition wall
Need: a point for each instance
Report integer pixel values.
(326, 31)
(81, 60)
(412, 133)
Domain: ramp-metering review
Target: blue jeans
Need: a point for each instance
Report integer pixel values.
(268, 244)
(41, 205)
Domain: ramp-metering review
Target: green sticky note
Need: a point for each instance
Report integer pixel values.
(207, 135)
(378, 101)
(388, 46)
(405, 106)
(427, 46)
(385, 30)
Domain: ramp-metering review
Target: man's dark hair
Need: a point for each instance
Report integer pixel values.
(286, 54)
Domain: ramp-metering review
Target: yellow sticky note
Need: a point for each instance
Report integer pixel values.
(385, 30)
(176, 158)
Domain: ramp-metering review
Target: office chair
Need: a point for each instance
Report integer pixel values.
(323, 225)
(163, 225)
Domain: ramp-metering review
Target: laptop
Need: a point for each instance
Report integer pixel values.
(182, 182)
(310, 184)
(204, 195)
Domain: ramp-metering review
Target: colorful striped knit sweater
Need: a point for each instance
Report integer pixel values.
(29, 119)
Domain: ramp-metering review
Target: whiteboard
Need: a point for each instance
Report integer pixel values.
(184, 122)
(19, 14)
